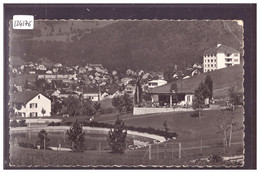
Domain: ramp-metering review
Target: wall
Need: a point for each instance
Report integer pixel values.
(190, 100)
(142, 111)
(155, 98)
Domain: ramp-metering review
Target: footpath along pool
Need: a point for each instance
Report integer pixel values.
(95, 138)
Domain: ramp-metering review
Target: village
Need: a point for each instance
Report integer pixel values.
(95, 83)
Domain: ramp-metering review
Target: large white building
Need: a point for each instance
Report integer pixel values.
(220, 56)
(31, 104)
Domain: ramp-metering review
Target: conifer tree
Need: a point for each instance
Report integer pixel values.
(201, 93)
(117, 137)
(76, 137)
(209, 83)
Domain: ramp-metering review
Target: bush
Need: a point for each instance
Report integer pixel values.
(43, 140)
(107, 111)
(14, 123)
(22, 123)
(54, 124)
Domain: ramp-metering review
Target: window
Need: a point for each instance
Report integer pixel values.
(33, 114)
(215, 65)
(208, 60)
(208, 65)
(33, 105)
(188, 98)
(235, 54)
(211, 65)
(235, 60)
(212, 60)
(39, 97)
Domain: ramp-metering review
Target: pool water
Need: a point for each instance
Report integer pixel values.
(93, 141)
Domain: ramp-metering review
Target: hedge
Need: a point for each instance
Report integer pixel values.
(149, 130)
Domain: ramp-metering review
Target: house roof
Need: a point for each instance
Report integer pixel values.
(221, 49)
(90, 90)
(23, 97)
(183, 86)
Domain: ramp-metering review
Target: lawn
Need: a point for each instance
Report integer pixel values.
(32, 157)
(188, 128)
(192, 133)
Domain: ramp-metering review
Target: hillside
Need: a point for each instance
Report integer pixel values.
(147, 45)
(223, 80)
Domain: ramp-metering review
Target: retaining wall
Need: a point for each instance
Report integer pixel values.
(143, 110)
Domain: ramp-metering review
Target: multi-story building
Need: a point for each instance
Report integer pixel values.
(31, 104)
(220, 56)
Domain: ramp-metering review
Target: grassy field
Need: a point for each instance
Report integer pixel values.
(32, 157)
(188, 128)
(191, 132)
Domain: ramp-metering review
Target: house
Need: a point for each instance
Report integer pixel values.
(41, 67)
(165, 95)
(196, 71)
(220, 56)
(66, 94)
(31, 104)
(126, 80)
(92, 94)
(130, 89)
(82, 70)
(58, 65)
(156, 83)
(49, 72)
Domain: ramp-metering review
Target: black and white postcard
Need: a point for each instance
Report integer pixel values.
(125, 93)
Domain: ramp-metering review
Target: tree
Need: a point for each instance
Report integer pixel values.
(201, 93)
(43, 111)
(209, 83)
(138, 92)
(76, 137)
(117, 137)
(79, 106)
(168, 73)
(123, 103)
(43, 140)
(26, 84)
(235, 97)
(226, 124)
(165, 125)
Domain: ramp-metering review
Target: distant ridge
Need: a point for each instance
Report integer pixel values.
(147, 45)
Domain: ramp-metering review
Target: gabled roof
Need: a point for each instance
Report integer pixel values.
(23, 97)
(221, 49)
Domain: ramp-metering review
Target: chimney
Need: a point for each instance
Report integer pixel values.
(218, 45)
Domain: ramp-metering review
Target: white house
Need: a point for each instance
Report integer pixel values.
(220, 56)
(31, 104)
(156, 83)
(92, 96)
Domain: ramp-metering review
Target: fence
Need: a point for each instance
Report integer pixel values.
(173, 150)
